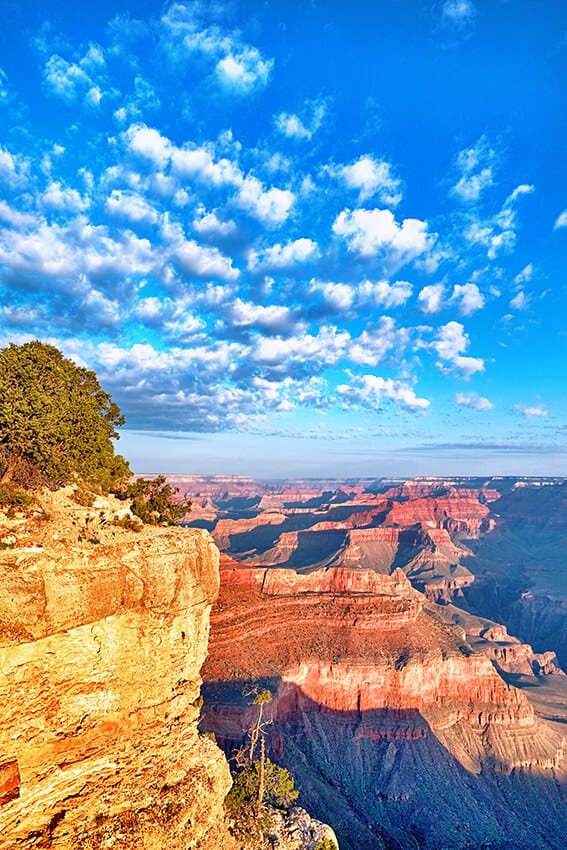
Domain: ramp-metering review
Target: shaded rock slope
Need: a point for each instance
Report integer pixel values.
(397, 731)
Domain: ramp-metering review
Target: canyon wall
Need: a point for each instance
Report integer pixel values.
(103, 632)
(382, 710)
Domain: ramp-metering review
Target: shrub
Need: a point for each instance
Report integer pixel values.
(153, 501)
(56, 422)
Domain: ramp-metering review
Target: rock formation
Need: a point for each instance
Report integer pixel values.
(383, 711)
(103, 632)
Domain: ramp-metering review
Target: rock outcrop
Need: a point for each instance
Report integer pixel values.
(103, 632)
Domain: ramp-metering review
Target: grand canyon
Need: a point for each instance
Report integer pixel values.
(413, 635)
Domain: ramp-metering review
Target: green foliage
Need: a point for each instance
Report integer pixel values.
(325, 844)
(15, 499)
(56, 422)
(279, 788)
(153, 501)
(250, 823)
(263, 697)
(132, 523)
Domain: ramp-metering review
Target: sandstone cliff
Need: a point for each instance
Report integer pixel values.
(103, 632)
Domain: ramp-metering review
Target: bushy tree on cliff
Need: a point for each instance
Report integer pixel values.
(56, 422)
(153, 500)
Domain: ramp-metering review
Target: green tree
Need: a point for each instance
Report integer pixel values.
(153, 501)
(56, 422)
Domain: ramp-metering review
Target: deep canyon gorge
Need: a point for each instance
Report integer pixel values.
(413, 635)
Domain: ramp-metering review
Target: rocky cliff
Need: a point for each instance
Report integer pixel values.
(384, 712)
(103, 632)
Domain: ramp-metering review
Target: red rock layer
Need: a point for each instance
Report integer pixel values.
(355, 642)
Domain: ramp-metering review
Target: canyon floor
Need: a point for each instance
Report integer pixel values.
(414, 637)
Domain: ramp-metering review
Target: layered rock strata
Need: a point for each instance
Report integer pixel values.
(102, 635)
(373, 696)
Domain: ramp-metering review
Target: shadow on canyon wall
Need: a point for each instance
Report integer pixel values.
(384, 780)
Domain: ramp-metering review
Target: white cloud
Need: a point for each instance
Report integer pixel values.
(450, 344)
(374, 344)
(131, 206)
(525, 275)
(371, 177)
(270, 206)
(386, 294)
(149, 144)
(284, 256)
(529, 412)
(72, 80)
(62, 198)
(338, 296)
(14, 169)
(458, 11)
(209, 224)
(203, 261)
(370, 232)
(468, 297)
(313, 351)
(244, 71)
(476, 167)
(473, 401)
(561, 220)
(238, 67)
(271, 318)
(294, 127)
(430, 298)
(521, 301)
(370, 391)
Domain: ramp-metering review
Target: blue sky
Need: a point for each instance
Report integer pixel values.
(296, 238)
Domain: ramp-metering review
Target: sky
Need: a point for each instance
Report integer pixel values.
(296, 237)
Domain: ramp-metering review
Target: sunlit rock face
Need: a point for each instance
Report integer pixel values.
(398, 733)
(103, 632)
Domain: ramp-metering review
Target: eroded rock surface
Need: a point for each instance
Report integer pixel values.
(103, 632)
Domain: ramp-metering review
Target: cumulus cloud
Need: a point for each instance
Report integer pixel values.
(473, 401)
(370, 176)
(337, 296)
(561, 220)
(273, 318)
(284, 256)
(85, 78)
(311, 352)
(430, 298)
(372, 232)
(450, 344)
(64, 199)
(377, 342)
(131, 206)
(270, 206)
(468, 297)
(209, 224)
(386, 294)
(202, 261)
(244, 71)
(370, 391)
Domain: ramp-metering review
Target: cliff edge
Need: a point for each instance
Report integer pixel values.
(103, 632)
